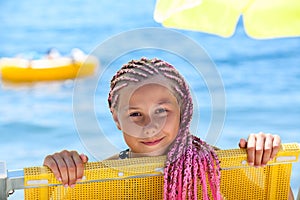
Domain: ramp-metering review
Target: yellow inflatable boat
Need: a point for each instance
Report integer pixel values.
(62, 68)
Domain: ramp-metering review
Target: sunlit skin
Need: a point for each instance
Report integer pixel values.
(156, 112)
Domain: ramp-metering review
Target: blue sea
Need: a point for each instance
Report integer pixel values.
(259, 78)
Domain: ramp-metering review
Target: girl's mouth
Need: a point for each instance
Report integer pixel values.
(153, 142)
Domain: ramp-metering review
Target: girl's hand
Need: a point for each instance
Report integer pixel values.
(67, 166)
(261, 148)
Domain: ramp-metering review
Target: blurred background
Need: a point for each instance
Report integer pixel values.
(261, 77)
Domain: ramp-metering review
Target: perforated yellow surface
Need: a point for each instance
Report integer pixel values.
(141, 178)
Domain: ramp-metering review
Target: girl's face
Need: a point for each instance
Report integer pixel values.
(149, 119)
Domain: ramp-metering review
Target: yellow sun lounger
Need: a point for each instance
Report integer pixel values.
(141, 178)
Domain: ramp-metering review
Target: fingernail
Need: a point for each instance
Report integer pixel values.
(82, 155)
(72, 186)
(251, 163)
(66, 185)
(78, 180)
(59, 179)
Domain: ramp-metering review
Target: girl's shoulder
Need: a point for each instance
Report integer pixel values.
(122, 155)
(215, 148)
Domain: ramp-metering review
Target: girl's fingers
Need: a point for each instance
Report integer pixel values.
(79, 165)
(71, 167)
(243, 143)
(251, 149)
(84, 158)
(67, 166)
(259, 149)
(62, 167)
(276, 146)
(268, 146)
(50, 162)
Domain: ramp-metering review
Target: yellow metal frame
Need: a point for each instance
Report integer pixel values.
(141, 178)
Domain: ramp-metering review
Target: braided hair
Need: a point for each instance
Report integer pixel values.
(189, 159)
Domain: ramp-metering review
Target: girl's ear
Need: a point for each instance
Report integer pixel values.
(115, 117)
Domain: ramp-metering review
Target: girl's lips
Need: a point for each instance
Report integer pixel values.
(154, 142)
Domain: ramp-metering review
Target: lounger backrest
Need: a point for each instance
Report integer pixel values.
(141, 178)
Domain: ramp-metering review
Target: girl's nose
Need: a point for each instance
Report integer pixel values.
(147, 121)
(150, 127)
(150, 130)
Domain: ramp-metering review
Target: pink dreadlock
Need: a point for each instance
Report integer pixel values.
(189, 159)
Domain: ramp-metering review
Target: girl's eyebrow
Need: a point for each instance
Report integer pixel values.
(126, 108)
(131, 108)
(160, 102)
(164, 101)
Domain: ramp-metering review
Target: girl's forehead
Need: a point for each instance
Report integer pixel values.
(150, 94)
(146, 89)
(151, 87)
(154, 81)
(154, 92)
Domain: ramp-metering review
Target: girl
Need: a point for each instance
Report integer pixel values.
(151, 104)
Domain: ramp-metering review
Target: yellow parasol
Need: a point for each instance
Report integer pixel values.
(262, 19)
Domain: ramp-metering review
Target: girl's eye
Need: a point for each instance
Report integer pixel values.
(161, 111)
(135, 114)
